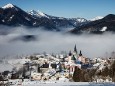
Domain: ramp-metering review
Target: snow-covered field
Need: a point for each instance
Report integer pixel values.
(66, 84)
(27, 82)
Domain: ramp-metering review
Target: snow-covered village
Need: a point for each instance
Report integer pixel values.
(45, 68)
(57, 43)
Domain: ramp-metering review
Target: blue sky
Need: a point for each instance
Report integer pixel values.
(67, 8)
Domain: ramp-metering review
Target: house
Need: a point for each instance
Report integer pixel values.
(36, 76)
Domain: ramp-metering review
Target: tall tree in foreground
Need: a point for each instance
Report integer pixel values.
(77, 74)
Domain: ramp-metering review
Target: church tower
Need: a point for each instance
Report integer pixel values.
(70, 53)
(69, 57)
(80, 54)
(75, 49)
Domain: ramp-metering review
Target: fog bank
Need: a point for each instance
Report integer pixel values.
(52, 42)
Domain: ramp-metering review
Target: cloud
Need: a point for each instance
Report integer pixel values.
(53, 42)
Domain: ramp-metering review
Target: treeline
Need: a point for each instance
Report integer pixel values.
(92, 74)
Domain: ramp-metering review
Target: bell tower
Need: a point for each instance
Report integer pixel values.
(80, 54)
(75, 49)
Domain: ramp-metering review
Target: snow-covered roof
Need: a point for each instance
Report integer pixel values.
(36, 74)
(18, 61)
(97, 64)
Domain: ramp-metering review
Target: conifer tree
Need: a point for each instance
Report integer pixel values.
(77, 74)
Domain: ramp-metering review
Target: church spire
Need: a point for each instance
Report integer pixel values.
(75, 49)
(70, 53)
(80, 54)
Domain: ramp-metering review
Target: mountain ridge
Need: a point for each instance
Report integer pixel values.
(12, 15)
(106, 24)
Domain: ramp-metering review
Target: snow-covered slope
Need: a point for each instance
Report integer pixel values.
(96, 18)
(37, 14)
(78, 21)
(99, 26)
(104, 29)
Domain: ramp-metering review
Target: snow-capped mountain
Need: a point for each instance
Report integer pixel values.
(96, 18)
(12, 15)
(60, 21)
(8, 6)
(106, 24)
(78, 21)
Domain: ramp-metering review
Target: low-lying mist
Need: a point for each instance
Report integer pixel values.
(14, 41)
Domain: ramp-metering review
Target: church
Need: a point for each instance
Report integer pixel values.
(75, 59)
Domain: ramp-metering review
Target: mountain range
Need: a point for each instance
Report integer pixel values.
(11, 15)
(106, 24)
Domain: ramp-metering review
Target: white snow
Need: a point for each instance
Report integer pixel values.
(34, 23)
(18, 61)
(27, 18)
(77, 19)
(11, 18)
(52, 83)
(96, 18)
(101, 67)
(40, 13)
(81, 20)
(37, 83)
(104, 29)
(33, 12)
(27, 82)
(37, 13)
(61, 18)
(3, 21)
(8, 6)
